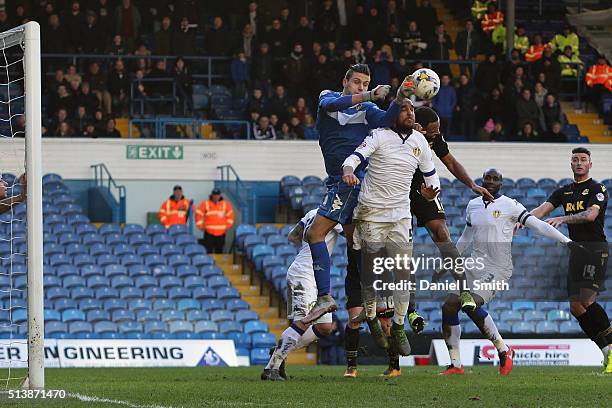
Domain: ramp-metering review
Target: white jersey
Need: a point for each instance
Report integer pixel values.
(490, 228)
(392, 160)
(304, 258)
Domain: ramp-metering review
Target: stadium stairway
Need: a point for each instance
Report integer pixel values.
(122, 125)
(589, 124)
(261, 301)
(452, 27)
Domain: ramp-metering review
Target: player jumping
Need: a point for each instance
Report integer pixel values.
(489, 230)
(383, 223)
(585, 202)
(301, 294)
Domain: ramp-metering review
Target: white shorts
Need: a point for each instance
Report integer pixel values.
(377, 235)
(302, 293)
(486, 282)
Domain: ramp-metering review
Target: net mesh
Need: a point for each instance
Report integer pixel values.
(13, 249)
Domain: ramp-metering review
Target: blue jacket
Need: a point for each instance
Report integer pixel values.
(445, 101)
(240, 71)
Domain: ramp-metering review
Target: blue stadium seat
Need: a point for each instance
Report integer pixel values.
(204, 326)
(60, 259)
(83, 229)
(86, 271)
(311, 181)
(179, 293)
(178, 229)
(155, 327)
(162, 239)
(243, 316)
(525, 183)
(76, 249)
(228, 293)
(113, 270)
(106, 259)
(130, 260)
(178, 260)
(229, 327)
(121, 281)
(184, 271)
(130, 327)
(251, 241)
(147, 315)
(172, 315)
(82, 293)
(55, 329)
(83, 259)
(113, 239)
(510, 316)
(569, 327)
(163, 304)
(146, 249)
(194, 315)
(169, 249)
(71, 315)
(140, 304)
(168, 282)
(215, 282)
(212, 304)
(557, 315)
(137, 239)
(121, 315)
(194, 281)
(285, 250)
(115, 304)
(260, 356)
(219, 316)
(523, 305)
(106, 229)
(73, 281)
(57, 293)
(75, 219)
(52, 316)
(534, 315)
(547, 183)
(181, 328)
(523, 328)
(138, 270)
(78, 328)
(546, 306)
(130, 229)
(202, 260)
(145, 281)
(192, 250)
(64, 303)
(94, 316)
(106, 293)
(122, 249)
(155, 293)
(547, 327)
(185, 239)
(154, 260)
(185, 305)
(155, 229)
(203, 293)
(91, 238)
(210, 271)
(255, 326)
(263, 340)
(48, 249)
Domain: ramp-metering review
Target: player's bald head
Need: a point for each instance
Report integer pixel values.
(492, 172)
(492, 180)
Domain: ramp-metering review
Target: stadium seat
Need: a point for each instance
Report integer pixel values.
(557, 315)
(168, 282)
(186, 239)
(122, 249)
(255, 326)
(203, 293)
(226, 327)
(177, 293)
(154, 260)
(185, 305)
(260, 356)
(210, 271)
(523, 305)
(569, 327)
(55, 329)
(523, 328)
(219, 316)
(169, 249)
(82, 293)
(204, 326)
(155, 326)
(178, 260)
(228, 293)
(94, 316)
(146, 250)
(194, 281)
(202, 260)
(243, 316)
(510, 316)
(547, 327)
(162, 239)
(263, 340)
(192, 250)
(106, 229)
(534, 315)
(236, 304)
(216, 282)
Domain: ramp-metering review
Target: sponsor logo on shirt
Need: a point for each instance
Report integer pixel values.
(496, 214)
(585, 191)
(416, 151)
(600, 197)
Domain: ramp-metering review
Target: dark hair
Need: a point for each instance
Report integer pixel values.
(357, 68)
(424, 115)
(581, 150)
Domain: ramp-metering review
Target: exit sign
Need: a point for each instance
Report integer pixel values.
(157, 152)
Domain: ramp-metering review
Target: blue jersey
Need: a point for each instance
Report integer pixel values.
(342, 127)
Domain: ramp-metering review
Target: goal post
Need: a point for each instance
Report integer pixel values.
(33, 123)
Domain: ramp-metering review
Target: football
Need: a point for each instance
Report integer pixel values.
(427, 83)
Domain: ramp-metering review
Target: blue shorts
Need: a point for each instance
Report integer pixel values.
(340, 200)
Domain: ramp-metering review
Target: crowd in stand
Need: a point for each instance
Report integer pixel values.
(283, 55)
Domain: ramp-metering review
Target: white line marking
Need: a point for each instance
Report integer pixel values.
(88, 398)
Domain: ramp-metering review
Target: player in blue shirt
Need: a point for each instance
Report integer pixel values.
(343, 121)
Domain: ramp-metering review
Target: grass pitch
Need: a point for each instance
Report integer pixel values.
(314, 387)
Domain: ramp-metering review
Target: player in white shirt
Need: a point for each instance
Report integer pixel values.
(301, 296)
(382, 219)
(489, 231)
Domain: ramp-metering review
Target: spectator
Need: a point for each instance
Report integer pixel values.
(392, 15)
(492, 19)
(54, 122)
(263, 69)
(300, 110)
(286, 19)
(162, 86)
(276, 37)
(510, 66)
(323, 76)
(127, 23)
(332, 52)
(310, 131)
(566, 39)
(484, 134)
(240, 75)
(286, 133)
(58, 80)
(598, 80)
(90, 131)
(99, 122)
(468, 43)
(93, 38)
(479, 9)
(217, 39)
(539, 94)
(526, 109)
(110, 131)
(327, 22)
(568, 61)
(252, 17)
(55, 37)
(467, 105)
(518, 74)
(274, 122)
(264, 131)
(316, 51)
(81, 119)
(296, 127)
(296, 69)
(494, 106)
(382, 69)
(117, 47)
(144, 62)
(72, 75)
(551, 112)
(102, 8)
(99, 86)
(183, 41)
(279, 103)
(176, 209)
(549, 65)
(5, 24)
(215, 217)
(248, 42)
(331, 347)
(426, 16)
(87, 99)
(184, 82)
(521, 41)
(535, 50)
(444, 103)
(528, 133)
(394, 37)
(163, 38)
(64, 130)
(257, 103)
(119, 87)
(439, 47)
(555, 134)
(414, 43)
(253, 120)
(358, 53)
(487, 74)
(75, 22)
(358, 21)
(498, 134)
(62, 100)
(372, 31)
(303, 34)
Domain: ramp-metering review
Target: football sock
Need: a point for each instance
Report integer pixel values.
(485, 323)
(393, 360)
(601, 325)
(289, 341)
(351, 344)
(321, 266)
(308, 337)
(412, 303)
(448, 250)
(400, 304)
(452, 336)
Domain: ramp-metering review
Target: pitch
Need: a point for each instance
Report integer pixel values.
(323, 386)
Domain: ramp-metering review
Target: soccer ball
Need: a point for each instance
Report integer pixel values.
(427, 83)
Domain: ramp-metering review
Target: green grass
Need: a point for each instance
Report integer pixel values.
(314, 387)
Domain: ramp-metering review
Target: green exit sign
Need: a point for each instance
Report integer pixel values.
(157, 152)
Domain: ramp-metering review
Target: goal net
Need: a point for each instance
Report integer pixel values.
(21, 227)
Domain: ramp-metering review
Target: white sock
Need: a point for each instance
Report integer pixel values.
(605, 351)
(493, 334)
(370, 308)
(401, 300)
(452, 343)
(308, 337)
(289, 340)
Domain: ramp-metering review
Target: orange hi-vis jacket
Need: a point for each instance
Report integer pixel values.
(490, 21)
(215, 218)
(534, 52)
(174, 212)
(599, 75)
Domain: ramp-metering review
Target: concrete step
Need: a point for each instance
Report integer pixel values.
(267, 312)
(257, 301)
(239, 280)
(301, 357)
(248, 290)
(231, 269)
(223, 259)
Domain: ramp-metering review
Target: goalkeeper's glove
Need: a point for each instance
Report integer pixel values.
(406, 89)
(377, 94)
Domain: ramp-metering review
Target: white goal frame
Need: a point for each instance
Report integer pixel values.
(28, 37)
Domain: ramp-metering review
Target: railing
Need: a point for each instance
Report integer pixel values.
(103, 179)
(153, 98)
(160, 125)
(245, 199)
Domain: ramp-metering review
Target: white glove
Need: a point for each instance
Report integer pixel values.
(377, 94)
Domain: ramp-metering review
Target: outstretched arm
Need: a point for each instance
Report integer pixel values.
(457, 170)
(544, 229)
(295, 235)
(331, 103)
(587, 215)
(466, 239)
